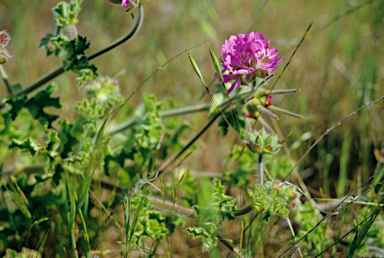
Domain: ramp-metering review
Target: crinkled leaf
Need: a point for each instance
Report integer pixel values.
(76, 60)
(206, 234)
(65, 14)
(16, 105)
(47, 43)
(29, 144)
(42, 100)
(86, 74)
(53, 141)
(226, 204)
(36, 105)
(25, 253)
(68, 141)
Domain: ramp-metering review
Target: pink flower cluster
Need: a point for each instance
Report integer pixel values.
(247, 56)
(123, 2)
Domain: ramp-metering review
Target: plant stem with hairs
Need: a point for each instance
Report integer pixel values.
(260, 170)
(40, 82)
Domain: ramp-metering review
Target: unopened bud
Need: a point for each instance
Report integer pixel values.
(4, 54)
(263, 142)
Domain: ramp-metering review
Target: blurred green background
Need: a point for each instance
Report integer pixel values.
(338, 68)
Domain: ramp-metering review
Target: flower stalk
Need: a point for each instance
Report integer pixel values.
(8, 85)
(260, 170)
(283, 111)
(287, 91)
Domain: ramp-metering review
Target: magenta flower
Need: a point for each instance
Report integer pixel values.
(247, 56)
(123, 2)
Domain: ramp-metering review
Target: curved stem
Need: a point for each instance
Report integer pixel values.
(135, 29)
(260, 170)
(8, 85)
(244, 210)
(41, 81)
(186, 147)
(178, 112)
(61, 69)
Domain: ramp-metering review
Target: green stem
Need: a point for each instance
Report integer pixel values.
(287, 91)
(61, 69)
(8, 85)
(73, 239)
(40, 82)
(186, 147)
(73, 30)
(244, 210)
(179, 111)
(135, 29)
(289, 113)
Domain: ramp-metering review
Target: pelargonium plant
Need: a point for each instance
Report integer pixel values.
(247, 56)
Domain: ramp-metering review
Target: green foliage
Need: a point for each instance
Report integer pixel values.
(25, 253)
(242, 174)
(370, 233)
(146, 223)
(307, 217)
(65, 14)
(105, 90)
(206, 234)
(29, 144)
(226, 204)
(75, 59)
(209, 218)
(45, 42)
(274, 197)
(36, 106)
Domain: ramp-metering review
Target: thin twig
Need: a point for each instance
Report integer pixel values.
(341, 238)
(332, 212)
(290, 59)
(257, 16)
(164, 167)
(329, 130)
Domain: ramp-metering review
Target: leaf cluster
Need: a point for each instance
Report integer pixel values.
(209, 218)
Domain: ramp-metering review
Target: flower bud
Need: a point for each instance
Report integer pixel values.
(4, 54)
(263, 142)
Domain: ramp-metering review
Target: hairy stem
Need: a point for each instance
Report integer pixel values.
(260, 170)
(244, 210)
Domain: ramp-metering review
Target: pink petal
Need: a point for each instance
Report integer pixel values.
(125, 3)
